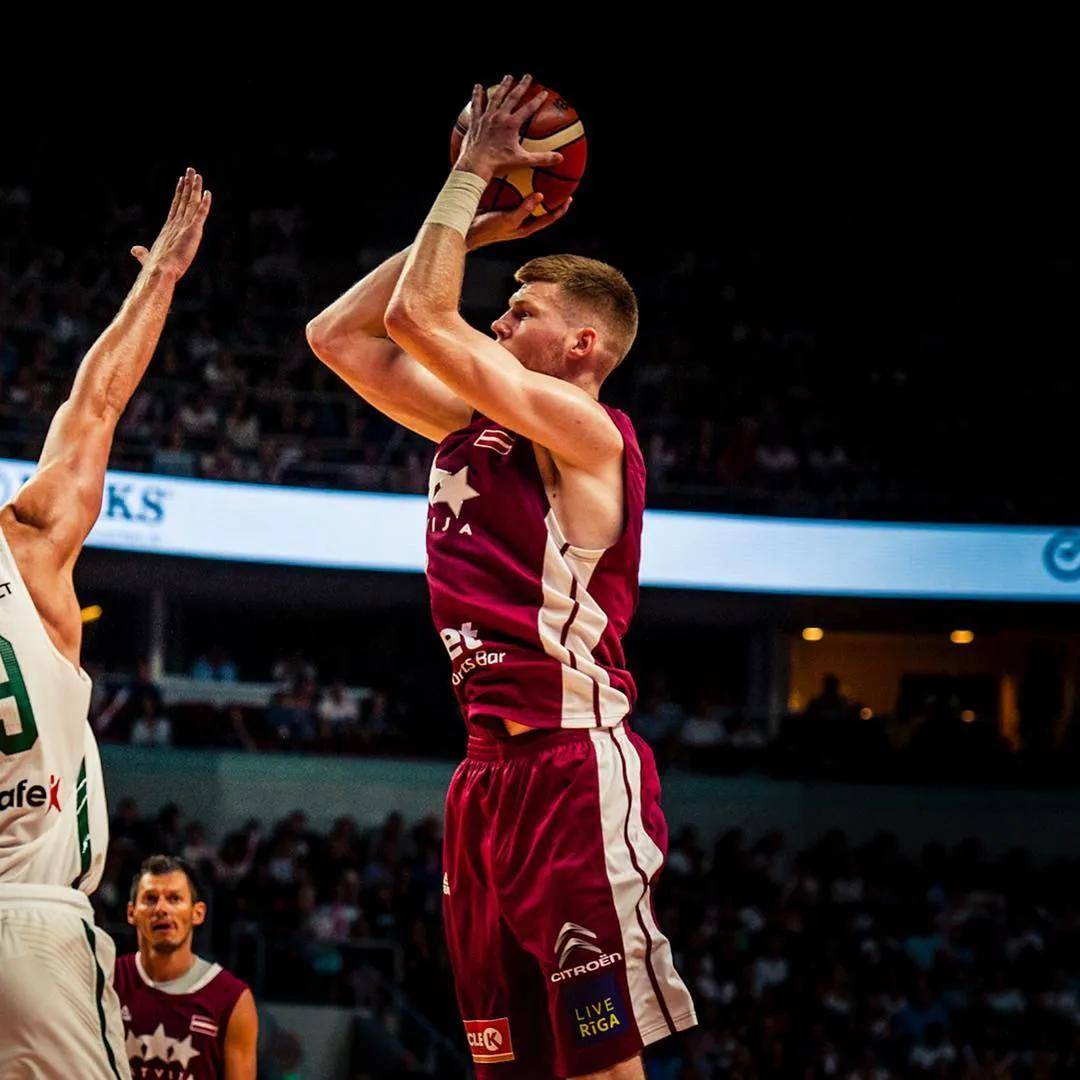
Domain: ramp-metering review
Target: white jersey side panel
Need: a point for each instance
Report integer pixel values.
(53, 821)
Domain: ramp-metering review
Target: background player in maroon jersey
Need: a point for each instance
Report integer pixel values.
(554, 835)
(184, 1017)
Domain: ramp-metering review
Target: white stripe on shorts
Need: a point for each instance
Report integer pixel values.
(657, 993)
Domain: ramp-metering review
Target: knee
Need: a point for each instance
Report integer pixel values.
(625, 1070)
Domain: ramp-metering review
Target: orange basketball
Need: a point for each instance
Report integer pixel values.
(556, 126)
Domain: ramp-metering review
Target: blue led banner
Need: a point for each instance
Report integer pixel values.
(367, 531)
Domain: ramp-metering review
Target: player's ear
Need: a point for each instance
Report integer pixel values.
(584, 344)
(198, 913)
(131, 913)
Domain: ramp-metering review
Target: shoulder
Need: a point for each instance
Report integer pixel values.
(228, 989)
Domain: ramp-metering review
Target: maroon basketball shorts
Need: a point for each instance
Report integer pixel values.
(553, 844)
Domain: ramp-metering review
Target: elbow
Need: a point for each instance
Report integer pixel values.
(401, 320)
(319, 337)
(410, 321)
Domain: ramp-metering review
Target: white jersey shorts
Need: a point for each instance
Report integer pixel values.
(60, 1016)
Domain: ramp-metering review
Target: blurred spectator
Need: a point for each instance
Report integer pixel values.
(217, 665)
(288, 669)
(195, 849)
(174, 458)
(933, 1053)
(658, 721)
(291, 715)
(830, 706)
(198, 418)
(242, 426)
(338, 711)
(138, 698)
(921, 1013)
(151, 727)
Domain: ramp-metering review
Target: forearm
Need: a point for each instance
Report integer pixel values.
(430, 285)
(361, 311)
(111, 370)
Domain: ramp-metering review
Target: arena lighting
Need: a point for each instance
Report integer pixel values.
(813, 633)
(968, 716)
(962, 637)
(91, 613)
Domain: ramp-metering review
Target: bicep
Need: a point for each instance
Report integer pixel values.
(398, 386)
(551, 412)
(241, 1040)
(63, 496)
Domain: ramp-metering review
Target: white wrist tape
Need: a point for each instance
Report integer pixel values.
(457, 202)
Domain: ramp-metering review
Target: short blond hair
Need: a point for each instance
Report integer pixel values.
(597, 286)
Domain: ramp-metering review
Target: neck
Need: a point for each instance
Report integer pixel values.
(164, 967)
(587, 384)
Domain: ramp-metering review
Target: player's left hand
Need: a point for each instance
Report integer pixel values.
(516, 224)
(492, 145)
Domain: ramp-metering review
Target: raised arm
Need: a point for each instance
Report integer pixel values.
(62, 499)
(350, 337)
(423, 316)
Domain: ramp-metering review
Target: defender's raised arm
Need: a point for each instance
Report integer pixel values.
(63, 497)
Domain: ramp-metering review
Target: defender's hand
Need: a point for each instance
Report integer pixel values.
(176, 244)
(500, 225)
(492, 145)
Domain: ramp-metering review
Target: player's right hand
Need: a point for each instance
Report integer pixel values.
(499, 225)
(176, 244)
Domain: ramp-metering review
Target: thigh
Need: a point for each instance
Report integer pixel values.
(499, 987)
(575, 886)
(60, 1016)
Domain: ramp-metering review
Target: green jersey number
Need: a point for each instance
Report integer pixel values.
(13, 688)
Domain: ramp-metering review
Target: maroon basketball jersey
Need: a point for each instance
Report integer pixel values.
(175, 1036)
(533, 625)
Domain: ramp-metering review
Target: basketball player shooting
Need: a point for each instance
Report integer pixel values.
(60, 1014)
(554, 835)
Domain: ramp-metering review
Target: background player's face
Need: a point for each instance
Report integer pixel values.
(164, 915)
(535, 329)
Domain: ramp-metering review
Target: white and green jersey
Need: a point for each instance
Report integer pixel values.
(54, 827)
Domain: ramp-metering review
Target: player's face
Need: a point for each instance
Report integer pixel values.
(534, 330)
(164, 913)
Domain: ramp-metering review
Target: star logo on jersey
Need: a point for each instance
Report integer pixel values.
(450, 488)
(160, 1047)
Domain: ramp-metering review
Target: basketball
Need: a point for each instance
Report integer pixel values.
(556, 126)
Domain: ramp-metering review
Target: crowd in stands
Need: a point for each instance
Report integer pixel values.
(933, 736)
(855, 962)
(742, 402)
(299, 712)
